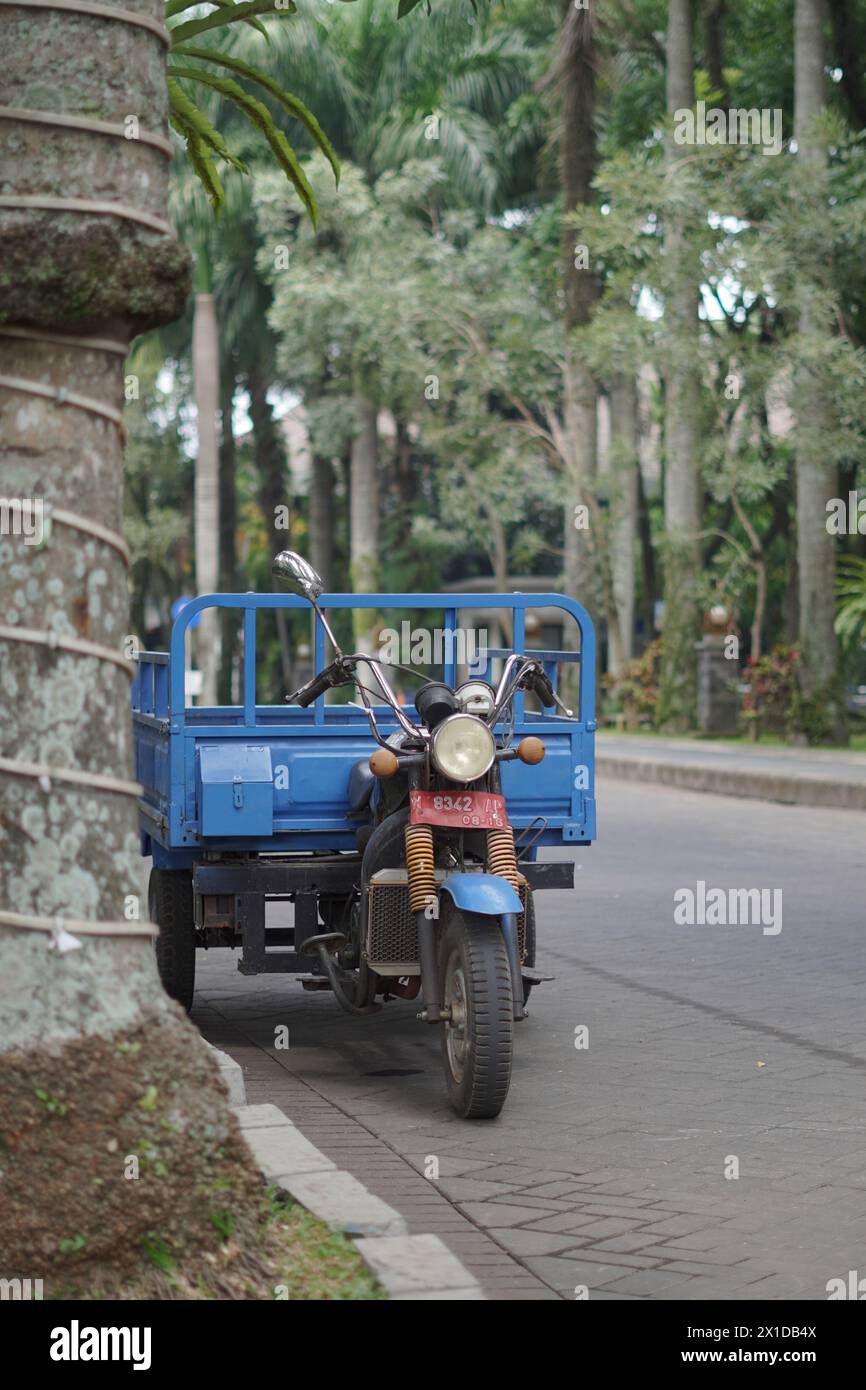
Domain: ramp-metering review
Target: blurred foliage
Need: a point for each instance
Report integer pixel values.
(433, 278)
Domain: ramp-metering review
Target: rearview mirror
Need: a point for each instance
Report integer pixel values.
(297, 574)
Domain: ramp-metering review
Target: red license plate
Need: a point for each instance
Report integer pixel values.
(460, 810)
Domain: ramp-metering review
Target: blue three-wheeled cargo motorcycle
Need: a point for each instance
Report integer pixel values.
(406, 837)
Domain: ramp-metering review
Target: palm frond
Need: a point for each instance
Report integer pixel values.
(200, 160)
(194, 118)
(227, 14)
(292, 104)
(851, 593)
(260, 117)
(176, 7)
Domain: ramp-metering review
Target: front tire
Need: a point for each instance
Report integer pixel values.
(169, 898)
(477, 1041)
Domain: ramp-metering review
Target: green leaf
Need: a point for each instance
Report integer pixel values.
(201, 162)
(195, 118)
(259, 116)
(292, 104)
(406, 7)
(176, 7)
(227, 14)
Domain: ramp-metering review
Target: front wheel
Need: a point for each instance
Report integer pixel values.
(477, 1039)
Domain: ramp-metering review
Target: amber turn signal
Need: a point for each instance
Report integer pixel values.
(384, 763)
(531, 750)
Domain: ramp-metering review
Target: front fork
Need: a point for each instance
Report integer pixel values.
(420, 866)
(423, 902)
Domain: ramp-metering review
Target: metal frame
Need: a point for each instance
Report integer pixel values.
(167, 732)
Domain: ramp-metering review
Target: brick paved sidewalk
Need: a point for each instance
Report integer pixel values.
(373, 1162)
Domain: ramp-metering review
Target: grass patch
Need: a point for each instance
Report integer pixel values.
(297, 1258)
(315, 1262)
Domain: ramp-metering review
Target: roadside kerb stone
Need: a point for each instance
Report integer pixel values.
(231, 1073)
(761, 785)
(344, 1203)
(418, 1267)
(281, 1151)
(411, 1267)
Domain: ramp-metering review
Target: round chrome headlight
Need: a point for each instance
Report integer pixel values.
(463, 748)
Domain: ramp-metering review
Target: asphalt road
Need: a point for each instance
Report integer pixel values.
(713, 1050)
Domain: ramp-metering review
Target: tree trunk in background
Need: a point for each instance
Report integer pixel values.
(624, 510)
(90, 1029)
(817, 480)
(364, 510)
(574, 69)
(205, 370)
(714, 13)
(682, 490)
(270, 463)
(228, 554)
(321, 555)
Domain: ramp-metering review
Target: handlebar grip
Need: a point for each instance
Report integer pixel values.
(313, 689)
(543, 688)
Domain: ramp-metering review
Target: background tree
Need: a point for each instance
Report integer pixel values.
(817, 475)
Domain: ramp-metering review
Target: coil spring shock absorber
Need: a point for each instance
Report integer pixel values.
(502, 856)
(502, 860)
(420, 866)
(421, 873)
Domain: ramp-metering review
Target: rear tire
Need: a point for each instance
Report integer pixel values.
(477, 1043)
(169, 898)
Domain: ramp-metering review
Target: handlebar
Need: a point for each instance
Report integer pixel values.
(529, 675)
(335, 674)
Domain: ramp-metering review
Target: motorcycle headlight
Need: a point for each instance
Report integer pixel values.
(463, 748)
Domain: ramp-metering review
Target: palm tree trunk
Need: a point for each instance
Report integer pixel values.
(624, 469)
(270, 462)
(322, 519)
(87, 1032)
(682, 488)
(227, 546)
(364, 509)
(205, 370)
(575, 70)
(817, 479)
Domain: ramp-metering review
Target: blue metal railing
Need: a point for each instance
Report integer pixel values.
(251, 603)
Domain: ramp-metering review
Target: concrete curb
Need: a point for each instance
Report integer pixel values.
(231, 1073)
(407, 1267)
(742, 782)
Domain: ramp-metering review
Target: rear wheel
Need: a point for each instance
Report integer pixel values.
(477, 1040)
(169, 897)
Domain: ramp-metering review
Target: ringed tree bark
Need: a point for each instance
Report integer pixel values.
(676, 709)
(101, 1076)
(817, 479)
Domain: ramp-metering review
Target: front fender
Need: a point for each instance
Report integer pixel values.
(487, 894)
